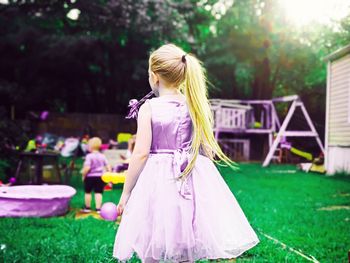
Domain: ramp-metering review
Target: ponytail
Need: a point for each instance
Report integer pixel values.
(195, 89)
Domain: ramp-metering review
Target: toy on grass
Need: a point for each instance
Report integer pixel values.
(108, 187)
(70, 145)
(84, 143)
(59, 144)
(104, 146)
(122, 139)
(31, 146)
(109, 211)
(115, 178)
(317, 165)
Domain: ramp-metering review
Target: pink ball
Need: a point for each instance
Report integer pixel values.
(109, 211)
(12, 180)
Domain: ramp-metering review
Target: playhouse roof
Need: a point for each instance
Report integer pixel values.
(338, 53)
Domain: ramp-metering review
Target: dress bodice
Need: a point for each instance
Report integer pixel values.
(171, 124)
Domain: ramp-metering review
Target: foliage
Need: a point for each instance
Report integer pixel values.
(13, 136)
(95, 63)
(3, 166)
(258, 54)
(98, 61)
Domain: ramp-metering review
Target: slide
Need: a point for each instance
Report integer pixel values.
(306, 155)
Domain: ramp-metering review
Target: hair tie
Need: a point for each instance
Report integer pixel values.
(183, 59)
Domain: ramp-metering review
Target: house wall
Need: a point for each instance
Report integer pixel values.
(339, 98)
(338, 116)
(338, 160)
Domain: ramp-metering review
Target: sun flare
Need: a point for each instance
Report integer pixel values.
(305, 12)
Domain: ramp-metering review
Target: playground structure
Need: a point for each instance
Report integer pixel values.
(238, 117)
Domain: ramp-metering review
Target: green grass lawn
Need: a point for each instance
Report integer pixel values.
(283, 206)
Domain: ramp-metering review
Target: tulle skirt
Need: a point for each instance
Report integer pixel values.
(160, 225)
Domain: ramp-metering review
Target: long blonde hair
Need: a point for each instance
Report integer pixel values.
(179, 69)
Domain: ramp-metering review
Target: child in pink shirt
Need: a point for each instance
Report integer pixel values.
(94, 166)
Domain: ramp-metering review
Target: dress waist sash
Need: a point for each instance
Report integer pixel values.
(169, 151)
(181, 160)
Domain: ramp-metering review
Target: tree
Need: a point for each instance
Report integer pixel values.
(95, 62)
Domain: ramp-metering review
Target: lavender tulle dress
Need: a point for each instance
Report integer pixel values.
(166, 221)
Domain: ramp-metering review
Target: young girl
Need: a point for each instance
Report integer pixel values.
(176, 206)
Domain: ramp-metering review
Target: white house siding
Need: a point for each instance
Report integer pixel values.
(338, 119)
(339, 97)
(338, 159)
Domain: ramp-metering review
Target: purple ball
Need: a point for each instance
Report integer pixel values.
(109, 211)
(12, 180)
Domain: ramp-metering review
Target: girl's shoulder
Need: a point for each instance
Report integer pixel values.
(169, 100)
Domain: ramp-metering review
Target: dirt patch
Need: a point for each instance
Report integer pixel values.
(335, 207)
(341, 194)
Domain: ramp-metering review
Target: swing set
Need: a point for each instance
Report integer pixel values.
(238, 117)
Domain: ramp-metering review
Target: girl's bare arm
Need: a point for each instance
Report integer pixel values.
(142, 147)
